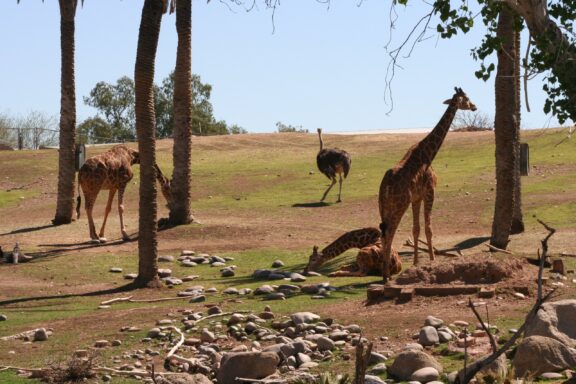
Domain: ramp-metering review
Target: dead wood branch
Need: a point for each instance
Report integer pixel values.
(219, 315)
(21, 335)
(116, 300)
(566, 254)
(471, 371)
(362, 358)
(129, 299)
(486, 329)
(493, 248)
(261, 381)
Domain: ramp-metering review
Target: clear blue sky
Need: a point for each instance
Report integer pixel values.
(320, 68)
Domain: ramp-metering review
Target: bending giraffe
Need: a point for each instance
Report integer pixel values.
(412, 181)
(369, 260)
(111, 170)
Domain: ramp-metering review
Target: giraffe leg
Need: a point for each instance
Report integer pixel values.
(388, 231)
(111, 194)
(416, 227)
(428, 203)
(125, 236)
(329, 188)
(89, 206)
(340, 188)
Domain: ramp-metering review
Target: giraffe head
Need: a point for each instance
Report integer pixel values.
(462, 101)
(314, 261)
(165, 187)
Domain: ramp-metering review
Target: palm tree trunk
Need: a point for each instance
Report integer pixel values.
(146, 131)
(66, 154)
(181, 180)
(517, 225)
(505, 127)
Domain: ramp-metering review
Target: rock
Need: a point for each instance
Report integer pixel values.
(461, 323)
(496, 372)
(165, 322)
(3, 317)
(263, 290)
(428, 336)
(212, 290)
(227, 272)
(261, 273)
(538, 354)
(551, 375)
(444, 337)
(217, 259)
(183, 378)
(376, 358)
(172, 281)
(266, 315)
(218, 264)
(378, 369)
(116, 343)
(188, 263)
(276, 296)
(433, 322)
(206, 336)
(277, 264)
(303, 358)
(189, 278)
(451, 377)
(40, 335)
(339, 335)
(166, 258)
(297, 278)
(304, 317)
(409, 361)
(250, 365)
(424, 375)
(371, 379)
(324, 344)
(230, 291)
(197, 299)
(555, 320)
(101, 343)
(214, 310)
(164, 272)
(115, 270)
(519, 295)
(130, 276)
(308, 365)
(187, 252)
(414, 346)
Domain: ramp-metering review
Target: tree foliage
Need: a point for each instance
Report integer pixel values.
(115, 120)
(553, 42)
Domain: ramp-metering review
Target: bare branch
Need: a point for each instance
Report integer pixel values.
(484, 326)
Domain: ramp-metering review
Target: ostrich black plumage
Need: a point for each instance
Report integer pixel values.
(332, 162)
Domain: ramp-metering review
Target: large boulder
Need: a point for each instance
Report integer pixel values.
(539, 354)
(409, 361)
(250, 365)
(555, 320)
(495, 372)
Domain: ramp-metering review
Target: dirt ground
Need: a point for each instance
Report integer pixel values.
(456, 226)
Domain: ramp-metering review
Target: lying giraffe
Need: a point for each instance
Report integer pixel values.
(370, 258)
(111, 170)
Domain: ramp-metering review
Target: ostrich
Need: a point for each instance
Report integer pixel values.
(331, 162)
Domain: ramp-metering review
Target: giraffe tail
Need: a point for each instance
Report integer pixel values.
(78, 199)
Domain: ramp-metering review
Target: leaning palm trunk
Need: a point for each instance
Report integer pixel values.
(517, 225)
(181, 179)
(66, 154)
(505, 127)
(145, 129)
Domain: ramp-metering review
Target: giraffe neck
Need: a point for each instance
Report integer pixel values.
(425, 151)
(359, 238)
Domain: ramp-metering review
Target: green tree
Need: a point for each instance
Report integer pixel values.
(95, 130)
(115, 103)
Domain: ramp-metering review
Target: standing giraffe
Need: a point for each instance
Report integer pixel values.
(111, 170)
(368, 261)
(332, 162)
(412, 181)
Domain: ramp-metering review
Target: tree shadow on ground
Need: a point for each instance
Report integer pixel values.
(60, 248)
(29, 229)
(123, 288)
(316, 204)
(468, 243)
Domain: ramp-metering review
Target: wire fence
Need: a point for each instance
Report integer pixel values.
(22, 138)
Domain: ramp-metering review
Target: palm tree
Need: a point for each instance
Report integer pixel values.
(180, 208)
(506, 129)
(146, 131)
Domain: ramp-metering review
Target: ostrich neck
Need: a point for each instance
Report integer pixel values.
(320, 137)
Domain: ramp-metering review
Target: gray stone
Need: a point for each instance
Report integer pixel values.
(414, 346)
(378, 369)
(244, 291)
(297, 278)
(261, 273)
(304, 317)
(308, 365)
(353, 328)
(277, 264)
(164, 272)
(172, 281)
(409, 361)
(197, 299)
(428, 336)
(444, 337)
(115, 270)
(166, 258)
(424, 375)
(130, 276)
(217, 259)
(154, 333)
(40, 335)
(376, 358)
(324, 344)
(538, 354)
(206, 336)
(186, 252)
(218, 264)
(188, 263)
(183, 378)
(3, 317)
(371, 379)
(214, 310)
(263, 290)
(433, 321)
(101, 343)
(461, 323)
(303, 358)
(190, 278)
(555, 320)
(227, 272)
(212, 290)
(276, 296)
(551, 375)
(250, 365)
